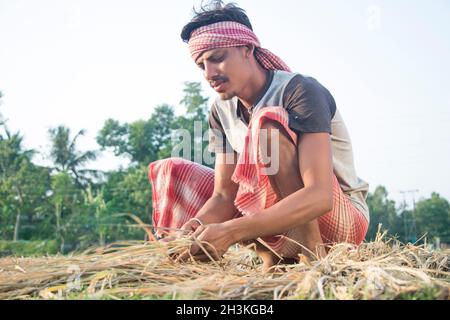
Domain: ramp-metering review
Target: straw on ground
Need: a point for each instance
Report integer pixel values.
(383, 269)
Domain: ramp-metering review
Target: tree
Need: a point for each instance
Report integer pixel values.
(23, 185)
(64, 199)
(129, 192)
(67, 158)
(433, 217)
(194, 122)
(145, 141)
(195, 103)
(95, 205)
(382, 210)
(141, 140)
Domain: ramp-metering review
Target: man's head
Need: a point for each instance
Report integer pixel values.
(214, 12)
(226, 67)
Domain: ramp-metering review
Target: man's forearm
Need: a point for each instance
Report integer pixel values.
(216, 210)
(299, 208)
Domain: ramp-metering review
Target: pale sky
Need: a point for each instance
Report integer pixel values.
(386, 63)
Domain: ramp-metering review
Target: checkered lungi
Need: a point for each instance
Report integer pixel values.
(181, 187)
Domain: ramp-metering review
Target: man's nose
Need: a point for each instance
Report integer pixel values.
(210, 71)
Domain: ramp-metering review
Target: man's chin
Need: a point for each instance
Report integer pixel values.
(226, 95)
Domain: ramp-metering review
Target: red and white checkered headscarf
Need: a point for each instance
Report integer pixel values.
(227, 34)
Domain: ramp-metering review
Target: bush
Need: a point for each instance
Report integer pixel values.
(28, 248)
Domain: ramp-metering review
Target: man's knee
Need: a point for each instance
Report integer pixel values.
(167, 166)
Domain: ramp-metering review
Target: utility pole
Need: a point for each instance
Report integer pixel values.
(409, 223)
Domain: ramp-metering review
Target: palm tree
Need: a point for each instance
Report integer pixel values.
(13, 158)
(67, 158)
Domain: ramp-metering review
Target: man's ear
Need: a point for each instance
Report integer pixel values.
(249, 49)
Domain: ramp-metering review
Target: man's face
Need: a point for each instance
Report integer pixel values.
(226, 70)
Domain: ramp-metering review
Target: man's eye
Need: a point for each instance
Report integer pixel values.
(201, 66)
(217, 59)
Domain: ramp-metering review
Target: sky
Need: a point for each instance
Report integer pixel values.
(79, 62)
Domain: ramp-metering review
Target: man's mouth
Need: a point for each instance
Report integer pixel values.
(219, 86)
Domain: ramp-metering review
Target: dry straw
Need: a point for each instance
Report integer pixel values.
(383, 269)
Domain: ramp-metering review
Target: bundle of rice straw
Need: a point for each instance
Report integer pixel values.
(383, 269)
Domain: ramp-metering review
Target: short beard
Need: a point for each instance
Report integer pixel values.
(227, 96)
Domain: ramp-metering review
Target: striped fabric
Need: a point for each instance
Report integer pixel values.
(227, 34)
(180, 188)
(255, 192)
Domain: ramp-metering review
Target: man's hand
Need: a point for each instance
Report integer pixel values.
(187, 229)
(190, 226)
(214, 238)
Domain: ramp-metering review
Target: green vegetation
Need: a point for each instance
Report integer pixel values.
(28, 248)
(431, 217)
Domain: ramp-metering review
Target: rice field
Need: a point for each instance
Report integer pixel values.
(382, 269)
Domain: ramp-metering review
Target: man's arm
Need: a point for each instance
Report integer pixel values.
(310, 202)
(220, 207)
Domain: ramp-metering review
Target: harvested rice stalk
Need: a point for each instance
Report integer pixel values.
(383, 269)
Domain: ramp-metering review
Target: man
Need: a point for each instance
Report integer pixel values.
(312, 197)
